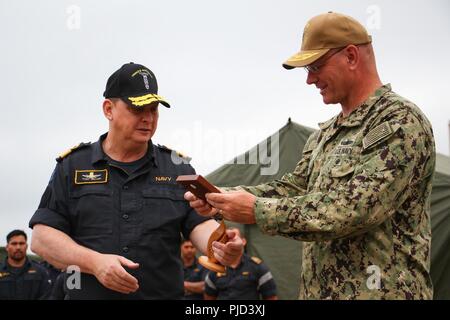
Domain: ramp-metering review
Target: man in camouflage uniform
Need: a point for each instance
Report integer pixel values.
(360, 196)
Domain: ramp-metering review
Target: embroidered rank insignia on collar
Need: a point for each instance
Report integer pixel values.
(91, 176)
(32, 271)
(4, 274)
(376, 134)
(245, 273)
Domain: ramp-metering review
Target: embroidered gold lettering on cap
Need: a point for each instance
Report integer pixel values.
(163, 179)
(91, 176)
(376, 134)
(145, 74)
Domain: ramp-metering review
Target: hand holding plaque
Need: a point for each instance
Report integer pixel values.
(199, 186)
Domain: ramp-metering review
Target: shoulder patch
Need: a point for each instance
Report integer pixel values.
(69, 151)
(377, 134)
(256, 260)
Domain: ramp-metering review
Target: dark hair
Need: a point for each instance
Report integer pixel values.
(183, 240)
(15, 233)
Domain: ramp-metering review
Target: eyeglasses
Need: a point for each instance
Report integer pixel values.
(316, 68)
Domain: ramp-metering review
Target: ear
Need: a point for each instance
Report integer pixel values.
(107, 109)
(353, 56)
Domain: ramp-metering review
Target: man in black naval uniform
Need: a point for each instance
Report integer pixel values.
(246, 279)
(20, 277)
(113, 209)
(194, 273)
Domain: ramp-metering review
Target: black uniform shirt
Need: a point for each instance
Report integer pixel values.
(138, 216)
(194, 273)
(250, 279)
(30, 282)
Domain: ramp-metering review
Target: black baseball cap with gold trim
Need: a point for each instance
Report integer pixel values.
(325, 32)
(135, 84)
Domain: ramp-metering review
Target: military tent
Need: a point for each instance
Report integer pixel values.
(283, 255)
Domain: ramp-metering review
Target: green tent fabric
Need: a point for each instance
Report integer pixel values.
(3, 254)
(440, 228)
(282, 255)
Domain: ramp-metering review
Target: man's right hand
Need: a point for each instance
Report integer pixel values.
(109, 270)
(203, 208)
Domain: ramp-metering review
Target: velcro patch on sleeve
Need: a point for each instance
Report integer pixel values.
(377, 134)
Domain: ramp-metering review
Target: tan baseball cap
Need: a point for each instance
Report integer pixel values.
(324, 32)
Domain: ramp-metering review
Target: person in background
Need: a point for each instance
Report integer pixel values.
(194, 273)
(20, 277)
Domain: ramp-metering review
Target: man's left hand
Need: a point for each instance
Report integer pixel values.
(228, 253)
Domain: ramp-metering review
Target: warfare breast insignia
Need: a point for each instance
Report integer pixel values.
(91, 176)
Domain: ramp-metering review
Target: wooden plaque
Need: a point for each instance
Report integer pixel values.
(198, 185)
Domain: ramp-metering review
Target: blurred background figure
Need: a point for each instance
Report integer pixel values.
(20, 277)
(194, 273)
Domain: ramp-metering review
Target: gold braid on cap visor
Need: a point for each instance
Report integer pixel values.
(144, 100)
